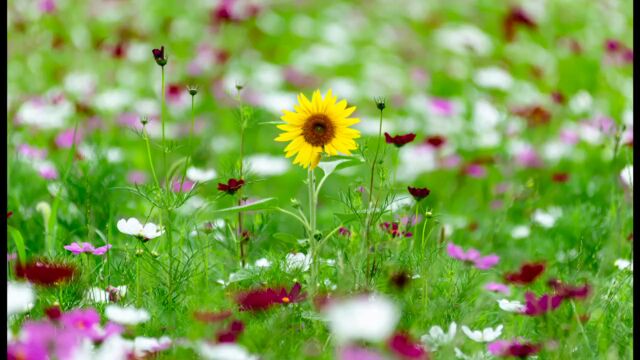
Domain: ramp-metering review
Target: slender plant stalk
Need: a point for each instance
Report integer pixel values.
(145, 136)
(367, 225)
(191, 130)
(313, 203)
(162, 120)
(242, 242)
(137, 275)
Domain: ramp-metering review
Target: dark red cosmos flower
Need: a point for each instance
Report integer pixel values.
(534, 114)
(231, 333)
(400, 279)
(516, 17)
(403, 346)
(504, 348)
(9, 214)
(630, 237)
(538, 306)
(262, 299)
(211, 317)
(159, 56)
(44, 273)
(292, 296)
(320, 301)
(344, 232)
(569, 292)
(53, 312)
(119, 51)
(399, 140)
(418, 193)
(557, 97)
(436, 141)
(231, 186)
(527, 274)
(560, 177)
(394, 229)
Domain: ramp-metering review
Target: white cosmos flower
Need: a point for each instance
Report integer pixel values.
(133, 227)
(263, 263)
(99, 295)
(624, 264)
(113, 100)
(143, 346)
(20, 297)
(520, 232)
(493, 78)
(581, 102)
(126, 315)
(267, 165)
(464, 39)
(485, 335)
(477, 356)
(371, 318)
(113, 348)
(224, 351)
(297, 261)
(201, 175)
(510, 306)
(547, 218)
(80, 84)
(627, 175)
(437, 337)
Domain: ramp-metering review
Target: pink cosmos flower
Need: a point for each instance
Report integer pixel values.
(65, 139)
(32, 152)
(187, 185)
(136, 177)
(498, 288)
(47, 6)
(538, 306)
(475, 170)
(48, 172)
(358, 353)
(569, 137)
(403, 346)
(441, 107)
(78, 248)
(528, 158)
(472, 256)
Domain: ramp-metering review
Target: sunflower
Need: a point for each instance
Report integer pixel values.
(317, 126)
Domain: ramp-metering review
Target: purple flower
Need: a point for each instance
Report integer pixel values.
(47, 6)
(48, 172)
(504, 348)
(406, 348)
(528, 158)
(472, 256)
(498, 288)
(32, 152)
(538, 306)
(78, 248)
(187, 185)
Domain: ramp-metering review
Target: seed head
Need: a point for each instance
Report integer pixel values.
(159, 56)
(144, 120)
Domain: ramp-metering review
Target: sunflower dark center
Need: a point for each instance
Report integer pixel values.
(318, 130)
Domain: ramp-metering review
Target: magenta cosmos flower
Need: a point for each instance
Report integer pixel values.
(472, 256)
(539, 306)
(403, 346)
(497, 288)
(79, 248)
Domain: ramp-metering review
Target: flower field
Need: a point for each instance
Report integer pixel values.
(244, 179)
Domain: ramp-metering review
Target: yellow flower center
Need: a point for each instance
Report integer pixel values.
(286, 300)
(318, 130)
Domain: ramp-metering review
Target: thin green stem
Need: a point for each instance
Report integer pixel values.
(367, 224)
(137, 275)
(301, 220)
(162, 120)
(312, 230)
(188, 160)
(145, 136)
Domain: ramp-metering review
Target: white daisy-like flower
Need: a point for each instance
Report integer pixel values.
(520, 232)
(371, 318)
(201, 175)
(510, 305)
(581, 102)
(464, 40)
(20, 297)
(627, 175)
(297, 261)
(224, 351)
(268, 165)
(133, 227)
(547, 218)
(99, 295)
(437, 337)
(624, 264)
(126, 315)
(485, 335)
(143, 346)
(493, 78)
(263, 263)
